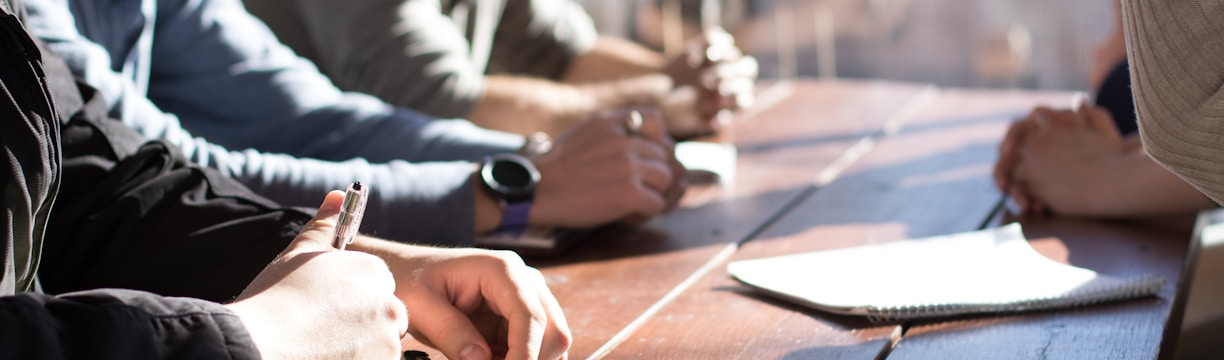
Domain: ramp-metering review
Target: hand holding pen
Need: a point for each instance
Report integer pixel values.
(347, 224)
(314, 301)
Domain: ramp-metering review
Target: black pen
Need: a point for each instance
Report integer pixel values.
(350, 214)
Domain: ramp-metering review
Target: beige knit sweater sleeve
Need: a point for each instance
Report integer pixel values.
(1176, 51)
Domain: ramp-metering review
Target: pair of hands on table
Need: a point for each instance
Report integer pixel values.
(314, 301)
(1062, 161)
(601, 171)
(711, 79)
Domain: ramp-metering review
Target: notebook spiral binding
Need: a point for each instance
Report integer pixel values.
(1136, 287)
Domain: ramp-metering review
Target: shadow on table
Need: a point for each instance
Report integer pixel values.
(715, 223)
(834, 352)
(751, 148)
(918, 192)
(936, 194)
(843, 321)
(1085, 240)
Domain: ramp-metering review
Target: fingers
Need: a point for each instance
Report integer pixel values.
(728, 86)
(483, 304)
(1042, 118)
(655, 176)
(714, 45)
(1021, 192)
(526, 327)
(399, 313)
(724, 76)
(652, 126)
(653, 153)
(447, 328)
(557, 337)
(649, 202)
(678, 186)
(1008, 154)
(318, 233)
(533, 332)
(654, 173)
(688, 112)
(729, 73)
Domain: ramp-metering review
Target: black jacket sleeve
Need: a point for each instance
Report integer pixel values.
(119, 324)
(137, 215)
(110, 324)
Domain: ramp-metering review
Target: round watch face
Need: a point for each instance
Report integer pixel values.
(510, 175)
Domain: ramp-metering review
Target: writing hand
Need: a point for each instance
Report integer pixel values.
(316, 302)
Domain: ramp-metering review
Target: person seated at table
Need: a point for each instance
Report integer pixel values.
(118, 248)
(1089, 162)
(1075, 163)
(1177, 55)
(515, 65)
(170, 67)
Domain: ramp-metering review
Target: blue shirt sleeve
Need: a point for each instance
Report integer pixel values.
(216, 71)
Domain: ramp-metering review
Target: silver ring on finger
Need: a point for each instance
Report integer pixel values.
(633, 125)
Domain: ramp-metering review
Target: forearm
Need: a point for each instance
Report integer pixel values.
(397, 254)
(614, 58)
(407, 53)
(430, 203)
(525, 105)
(1144, 188)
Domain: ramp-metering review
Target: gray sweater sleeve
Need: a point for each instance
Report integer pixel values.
(218, 71)
(406, 52)
(1176, 52)
(540, 37)
(412, 53)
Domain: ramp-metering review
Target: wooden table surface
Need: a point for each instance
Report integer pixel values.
(829, 164)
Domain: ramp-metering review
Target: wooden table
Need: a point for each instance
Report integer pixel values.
(828, 164)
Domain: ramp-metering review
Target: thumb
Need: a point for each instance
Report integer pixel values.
(318, 233)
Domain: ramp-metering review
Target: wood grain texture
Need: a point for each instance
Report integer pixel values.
(661, 289)
(613, 278)
(930, 178)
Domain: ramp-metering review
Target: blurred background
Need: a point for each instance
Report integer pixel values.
(1034, 44)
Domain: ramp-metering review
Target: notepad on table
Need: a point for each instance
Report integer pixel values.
(981, 272)
(707, 162)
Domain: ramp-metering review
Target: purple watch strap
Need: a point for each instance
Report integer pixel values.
(514, 217)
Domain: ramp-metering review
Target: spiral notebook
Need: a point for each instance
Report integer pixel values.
(982, 272)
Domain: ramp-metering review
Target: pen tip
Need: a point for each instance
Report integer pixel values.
(357, 185)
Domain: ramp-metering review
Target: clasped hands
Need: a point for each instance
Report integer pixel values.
(599, 172)
(1061, 161)
(712, 78)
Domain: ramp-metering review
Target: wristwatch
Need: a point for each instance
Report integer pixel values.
(511, 180)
